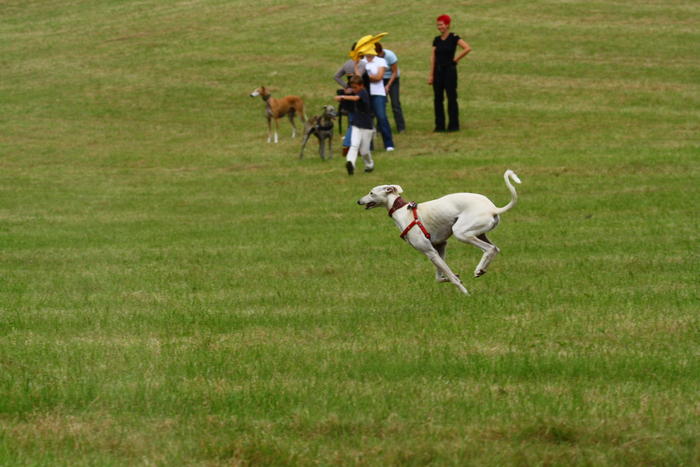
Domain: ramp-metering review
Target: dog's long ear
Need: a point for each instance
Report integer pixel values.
(393, 189)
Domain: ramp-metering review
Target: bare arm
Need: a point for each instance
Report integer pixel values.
(379, 76)
(347, 98)
(432, 67)
(465, 50)
(339, 75)
(394, 73)
(359, 69)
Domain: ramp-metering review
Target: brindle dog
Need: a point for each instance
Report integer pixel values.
(321, 126)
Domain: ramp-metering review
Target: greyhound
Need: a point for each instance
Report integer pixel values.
(278, 108)
(467, 216)
(321, 126)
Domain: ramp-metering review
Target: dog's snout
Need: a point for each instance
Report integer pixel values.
(359, 201)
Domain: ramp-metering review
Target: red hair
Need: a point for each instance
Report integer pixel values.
(444, 19)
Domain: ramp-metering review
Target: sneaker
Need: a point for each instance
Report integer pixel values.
(350, 167)
(390, 148)
(369, 169)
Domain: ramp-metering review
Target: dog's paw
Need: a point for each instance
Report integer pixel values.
(479, 272)
(442, 278)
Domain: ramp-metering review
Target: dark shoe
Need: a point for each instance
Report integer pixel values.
(350, 167)
(453, 129)
(439, 130)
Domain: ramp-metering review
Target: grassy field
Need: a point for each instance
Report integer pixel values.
(174, 290)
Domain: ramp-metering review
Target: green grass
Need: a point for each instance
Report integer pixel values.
(174, 290)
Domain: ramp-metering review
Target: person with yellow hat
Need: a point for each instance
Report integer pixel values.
(347, 71)
(375, 68)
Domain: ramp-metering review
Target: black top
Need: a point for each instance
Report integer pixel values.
(362, 118)
(445, 49)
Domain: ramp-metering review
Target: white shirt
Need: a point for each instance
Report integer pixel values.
(375, 88)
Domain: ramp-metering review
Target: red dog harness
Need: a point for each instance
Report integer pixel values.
(398, 204)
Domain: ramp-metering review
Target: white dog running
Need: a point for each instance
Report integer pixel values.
(467, 216)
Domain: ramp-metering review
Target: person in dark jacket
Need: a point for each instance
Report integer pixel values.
(443, 73)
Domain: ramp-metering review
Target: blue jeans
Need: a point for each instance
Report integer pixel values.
(379, 108)
(348, 132)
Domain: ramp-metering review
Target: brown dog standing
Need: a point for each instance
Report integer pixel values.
(278, 108)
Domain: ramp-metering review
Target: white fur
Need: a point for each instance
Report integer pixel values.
(467, 216)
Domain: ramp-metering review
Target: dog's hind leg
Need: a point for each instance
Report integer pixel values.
(294, 126)
(487, 257)
(474, 233)
(490, 251)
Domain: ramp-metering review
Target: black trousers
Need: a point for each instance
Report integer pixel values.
(396, 104)
(445, 82)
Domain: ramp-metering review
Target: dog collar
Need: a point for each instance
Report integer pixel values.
(398, 204)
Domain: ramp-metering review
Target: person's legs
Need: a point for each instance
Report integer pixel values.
(348, 132)
(452, 105)
(396, 104)
(365, 151)
(355, 140)
(379, 107)
(438, 91)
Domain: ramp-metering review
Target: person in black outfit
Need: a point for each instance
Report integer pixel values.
(443, 73)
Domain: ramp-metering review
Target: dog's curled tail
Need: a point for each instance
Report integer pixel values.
(507, 176)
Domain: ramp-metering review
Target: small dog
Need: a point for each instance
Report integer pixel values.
(321, 126)
(278, 108)
(467, 216)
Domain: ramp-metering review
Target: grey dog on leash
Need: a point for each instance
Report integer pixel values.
(321, 126)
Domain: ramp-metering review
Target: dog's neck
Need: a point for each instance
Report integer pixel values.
(397, 204)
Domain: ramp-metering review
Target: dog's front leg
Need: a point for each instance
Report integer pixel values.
(442, 266)
(322, 148)
(269, 129)
(439, 276)
(307, 135)
(424, 245)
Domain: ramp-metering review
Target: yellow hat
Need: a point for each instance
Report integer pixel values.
(365, 45)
